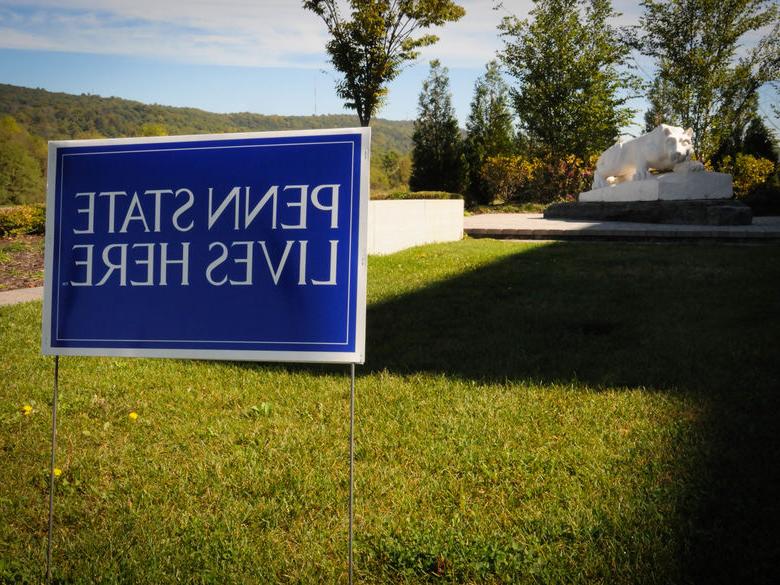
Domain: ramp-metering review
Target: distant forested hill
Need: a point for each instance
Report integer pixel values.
(29, 117)
(62, 116)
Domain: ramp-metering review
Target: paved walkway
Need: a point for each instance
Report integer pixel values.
(533, 226)
(22, 295)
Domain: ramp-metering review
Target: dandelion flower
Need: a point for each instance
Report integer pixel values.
(26, 410)
(57, 472)
(133, 415)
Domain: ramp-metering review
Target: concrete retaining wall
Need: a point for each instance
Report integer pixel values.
(397, 225)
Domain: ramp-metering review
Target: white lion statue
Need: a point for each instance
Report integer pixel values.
(665, 148)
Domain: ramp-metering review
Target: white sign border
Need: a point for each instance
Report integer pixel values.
(356, 357)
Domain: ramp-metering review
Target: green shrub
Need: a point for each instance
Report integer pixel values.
(749, 172)
(765, 198)
(423, 195)
(537, 180)
(22, 220)
(561, 179)
(506, 176)
(511, 207)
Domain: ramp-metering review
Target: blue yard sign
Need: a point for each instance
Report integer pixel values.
(237, 246)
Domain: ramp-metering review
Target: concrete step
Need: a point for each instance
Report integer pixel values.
(533, 226)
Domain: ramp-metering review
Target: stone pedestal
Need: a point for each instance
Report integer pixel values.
(692, 212)
(668, 187)
(692, 198)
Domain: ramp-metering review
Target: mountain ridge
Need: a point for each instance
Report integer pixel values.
(60, 116)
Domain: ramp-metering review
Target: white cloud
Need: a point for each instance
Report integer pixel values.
(15, 39)
(228, 32)
(270, 33)
(260, 33)
(473, 40)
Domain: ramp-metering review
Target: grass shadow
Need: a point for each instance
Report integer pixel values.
(698, 320)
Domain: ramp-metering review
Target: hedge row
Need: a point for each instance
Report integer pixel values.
(423, 195)
(22, 220)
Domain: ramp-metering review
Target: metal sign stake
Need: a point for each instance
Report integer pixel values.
(51, 468)
(351, 461)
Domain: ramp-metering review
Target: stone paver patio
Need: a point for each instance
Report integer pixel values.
(533, 226)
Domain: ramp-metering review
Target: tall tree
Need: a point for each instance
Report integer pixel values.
(21, 164)
(370, 48)
(489, 129)
(703, 79)
(760, 141)
(437, 158)
(754, 138)
(396, 167)
(572, 85)
(153, 129)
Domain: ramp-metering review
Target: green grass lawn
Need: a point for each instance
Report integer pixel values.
(528, 413)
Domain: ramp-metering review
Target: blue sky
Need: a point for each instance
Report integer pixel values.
(264, 56)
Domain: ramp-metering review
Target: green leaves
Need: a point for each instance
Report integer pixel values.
(570, 66)
(22, 164)
(702, 81)
(489, 129)
(437, 160)
(370, 48)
